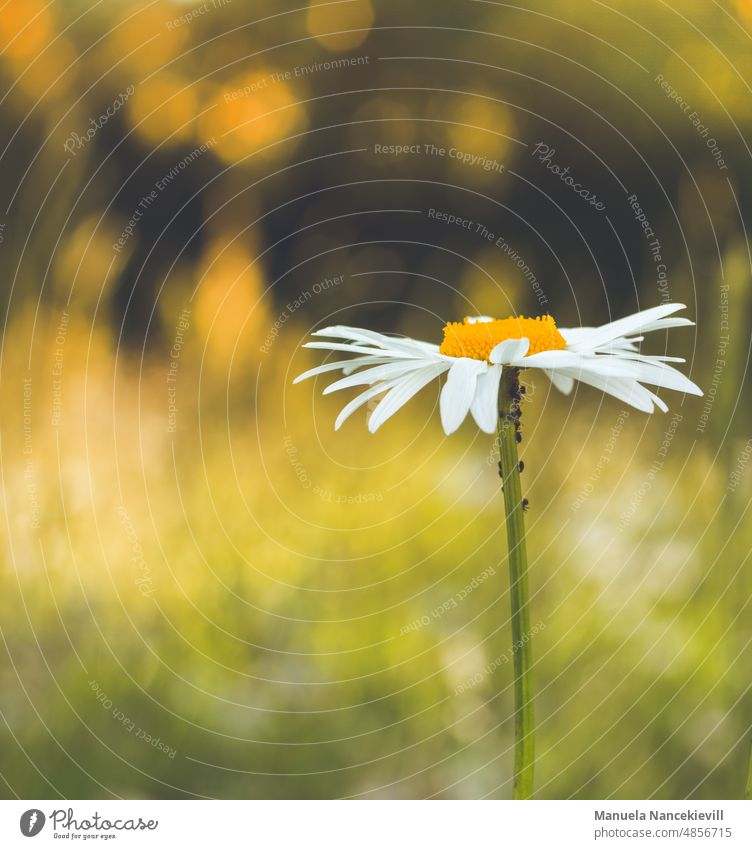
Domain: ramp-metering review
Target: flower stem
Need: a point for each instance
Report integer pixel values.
(509, 470)
(748, 788)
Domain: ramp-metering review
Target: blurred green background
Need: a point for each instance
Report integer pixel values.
(205, 591)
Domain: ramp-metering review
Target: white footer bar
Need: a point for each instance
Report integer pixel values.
(376, 824)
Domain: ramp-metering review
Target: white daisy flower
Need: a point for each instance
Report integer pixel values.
(475, 351)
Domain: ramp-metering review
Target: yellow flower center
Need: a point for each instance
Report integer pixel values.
(477, 339)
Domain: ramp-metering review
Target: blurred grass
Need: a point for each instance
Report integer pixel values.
(274, 642)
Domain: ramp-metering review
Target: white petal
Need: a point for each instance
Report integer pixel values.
(562, 382)
(665, 323)
(625, 390)
(356, 334)
(361, 399)
(361, 349)
(623, 343)
(662, 406)
(342, 331)
(655, 373)
(622, 327)
(478, 319)
(457, 394)
(371, 337)
(576, 335)
(402, 392)
(485, 403)
(509, 350)
(642, 358)
(620, 344)
(551, 359)
(388, 371)
(356, 362)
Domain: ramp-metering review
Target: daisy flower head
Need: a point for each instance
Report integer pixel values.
(475, 351)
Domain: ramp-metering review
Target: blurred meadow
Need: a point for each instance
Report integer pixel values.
(206, 592)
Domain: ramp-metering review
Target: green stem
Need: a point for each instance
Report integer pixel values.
(509, 470)
(748, 788)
